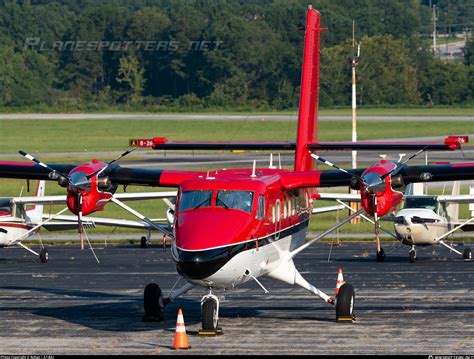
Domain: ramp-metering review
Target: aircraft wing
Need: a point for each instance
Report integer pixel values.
(409, 174)
(61, 199)
(319, 210)
(460, 198)
(96, 221)
(345, 197)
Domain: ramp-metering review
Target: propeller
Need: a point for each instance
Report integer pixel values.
(77, 183)
(99, 171)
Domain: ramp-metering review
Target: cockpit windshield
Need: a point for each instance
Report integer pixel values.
(194, 199)
(235, 199)
(421, 202)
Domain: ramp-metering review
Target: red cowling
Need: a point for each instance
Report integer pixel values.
(387, 198)
(92, 200)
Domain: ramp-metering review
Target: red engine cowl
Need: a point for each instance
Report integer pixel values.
(386, 197)
(92, 199)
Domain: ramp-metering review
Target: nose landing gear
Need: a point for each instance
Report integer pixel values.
(210, 316)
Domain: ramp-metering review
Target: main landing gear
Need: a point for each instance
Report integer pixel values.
(467, 255)
(345, 303)
(153, 303)
(43, 255)
(380, 255)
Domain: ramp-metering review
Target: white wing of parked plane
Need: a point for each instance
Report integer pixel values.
(60, 199)
(344, 197)
(70, 222)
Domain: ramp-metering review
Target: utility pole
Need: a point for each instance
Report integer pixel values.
(354, 205)
(434, 29)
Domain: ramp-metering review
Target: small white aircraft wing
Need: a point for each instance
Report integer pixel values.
(61, 199)
(39, 200)
(112, 222)
(460, 198)
(319, 210)
(345, 197)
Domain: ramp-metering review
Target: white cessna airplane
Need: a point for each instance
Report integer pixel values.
(427, 220)
(424, 219)
(17, 222)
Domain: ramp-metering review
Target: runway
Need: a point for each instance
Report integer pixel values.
(72, 305)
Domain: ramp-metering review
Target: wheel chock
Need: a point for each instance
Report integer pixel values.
(210, 333)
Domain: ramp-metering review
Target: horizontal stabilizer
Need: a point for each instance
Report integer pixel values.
(161, 143)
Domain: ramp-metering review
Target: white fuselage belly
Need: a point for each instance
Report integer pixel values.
(254, 262)
(420, 233)
(11, 231)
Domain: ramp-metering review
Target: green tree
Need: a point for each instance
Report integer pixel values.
(131, 73)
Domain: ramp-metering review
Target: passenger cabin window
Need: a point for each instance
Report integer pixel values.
(235, 199)
(5, 209)
(194, 199)
(261, 208)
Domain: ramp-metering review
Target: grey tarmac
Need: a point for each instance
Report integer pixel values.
(72, 305)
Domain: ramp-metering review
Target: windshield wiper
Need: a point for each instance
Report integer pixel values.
(221, 201)
(202, 203)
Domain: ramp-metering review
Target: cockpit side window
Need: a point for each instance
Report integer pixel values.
(5, 209)
(235, 199)
(195, 199)
(261, 208)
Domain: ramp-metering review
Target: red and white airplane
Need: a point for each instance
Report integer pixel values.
(237, 225)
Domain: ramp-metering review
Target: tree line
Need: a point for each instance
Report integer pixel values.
(198, 54)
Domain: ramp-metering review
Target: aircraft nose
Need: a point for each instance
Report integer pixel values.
(207, 238)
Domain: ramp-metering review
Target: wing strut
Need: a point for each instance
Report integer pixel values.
(317, 238)
(142, 217)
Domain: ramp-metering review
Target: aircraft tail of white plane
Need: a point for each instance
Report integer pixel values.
(35, 213)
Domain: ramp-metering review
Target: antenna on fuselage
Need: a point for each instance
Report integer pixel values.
(253, 169)
(271, 166)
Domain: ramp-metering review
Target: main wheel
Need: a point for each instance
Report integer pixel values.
(380, 255)
(412, 256)
(143, 242)
(345, 303)
(467, 255)
(153, 303)
(209, 315)
(43, 256)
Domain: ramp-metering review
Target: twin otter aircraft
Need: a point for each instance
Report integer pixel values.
(233, 226)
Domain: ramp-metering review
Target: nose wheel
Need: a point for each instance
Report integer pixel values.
(210, 316)
(412, 255)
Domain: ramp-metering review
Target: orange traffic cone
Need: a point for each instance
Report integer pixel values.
(180, 338)
(339, 281)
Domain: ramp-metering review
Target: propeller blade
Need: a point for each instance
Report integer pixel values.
(42, 164)
(416, 219)
(111, 162)
(79, 220)
(376, 223)
(400, 166)
(330, 164)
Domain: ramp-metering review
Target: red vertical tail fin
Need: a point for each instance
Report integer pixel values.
(308, 111)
